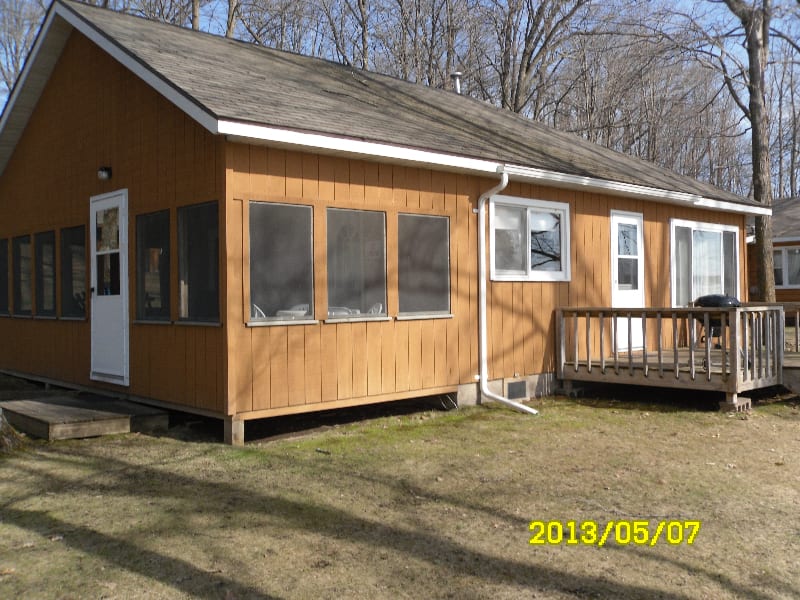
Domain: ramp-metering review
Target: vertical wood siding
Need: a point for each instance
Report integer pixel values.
(93, 112)
(279, 369)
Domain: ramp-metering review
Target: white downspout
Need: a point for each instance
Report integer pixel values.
(482, 350)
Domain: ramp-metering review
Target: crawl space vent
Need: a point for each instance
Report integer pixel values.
(517, 390)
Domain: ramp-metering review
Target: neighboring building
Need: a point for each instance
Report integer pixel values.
(240, 232)
(786, 246)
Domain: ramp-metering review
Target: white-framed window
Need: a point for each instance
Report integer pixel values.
(528, 239)
(705, 260)
(787, 267)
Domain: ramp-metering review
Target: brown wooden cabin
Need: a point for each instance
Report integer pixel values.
(239, 232)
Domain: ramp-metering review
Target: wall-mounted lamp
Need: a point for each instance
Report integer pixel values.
(104, 173)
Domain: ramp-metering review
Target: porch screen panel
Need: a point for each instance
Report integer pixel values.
(23, 279)
(198, 262)
(281, 261)
(3, 277)
(356, 263)
(45, 268)
(152, 266)
(73, 272)
(423, 263)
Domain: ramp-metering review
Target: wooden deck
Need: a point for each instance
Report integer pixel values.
(67, 417)
(670, 348)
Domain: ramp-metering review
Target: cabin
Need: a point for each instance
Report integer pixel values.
(786, 246)
(215, 227)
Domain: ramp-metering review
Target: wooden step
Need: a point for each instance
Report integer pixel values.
(67, 417)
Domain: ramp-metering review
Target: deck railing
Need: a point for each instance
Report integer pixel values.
(791, 313)
(673, 347)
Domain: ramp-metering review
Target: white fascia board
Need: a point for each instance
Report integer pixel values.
(246, 132)
(22, 79)
(163, 87)
(629, 190)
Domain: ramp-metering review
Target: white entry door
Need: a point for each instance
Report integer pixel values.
(108, 226)
(627, 275)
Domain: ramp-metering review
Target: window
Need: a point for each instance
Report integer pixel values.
(21, 259)
(3, 277)
(356, 263)
(704, 261)
(45, 266)
(152, 266)
(73, 272)
(787, 267)
(423, 256)
(529, 240)
(198, 261)
(281, 262)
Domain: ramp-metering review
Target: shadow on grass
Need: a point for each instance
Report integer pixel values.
(114, 477)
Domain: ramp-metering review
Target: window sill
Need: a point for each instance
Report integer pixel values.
(45, 317)
(277, 322)
(22, 316)
(153, 322)
(84, 319)
(420, 316)
(195, 323)
(532, 279)
(357, 319)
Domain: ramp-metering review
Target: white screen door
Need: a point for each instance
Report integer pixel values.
(627, 275)
(108, 227)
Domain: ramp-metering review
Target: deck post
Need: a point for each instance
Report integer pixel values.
(234, 431)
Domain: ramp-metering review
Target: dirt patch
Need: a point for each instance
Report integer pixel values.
(433, 504)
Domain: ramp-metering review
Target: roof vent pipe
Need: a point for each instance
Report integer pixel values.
(456, 77)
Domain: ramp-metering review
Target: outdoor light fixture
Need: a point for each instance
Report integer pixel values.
(104, 173)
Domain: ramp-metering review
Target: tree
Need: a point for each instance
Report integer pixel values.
(755, 20)
(19, 23)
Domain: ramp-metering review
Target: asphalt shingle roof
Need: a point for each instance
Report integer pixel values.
(238, 81)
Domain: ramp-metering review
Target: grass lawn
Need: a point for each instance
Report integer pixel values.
(431, 504)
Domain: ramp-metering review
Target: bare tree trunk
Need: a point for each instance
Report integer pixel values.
(196, 15)
(230, 28)
(755, 19)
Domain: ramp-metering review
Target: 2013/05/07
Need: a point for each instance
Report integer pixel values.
(623, 532)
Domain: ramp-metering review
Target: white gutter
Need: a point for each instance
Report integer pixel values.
(482, 349)
(629, 190)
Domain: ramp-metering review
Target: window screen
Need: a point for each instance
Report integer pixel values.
(73, 272)
(423, 249)
(198, 262)
(45, 256)
(152, 266)
(281, 261)
(356, 263)
(23, 288)
(3, 277)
